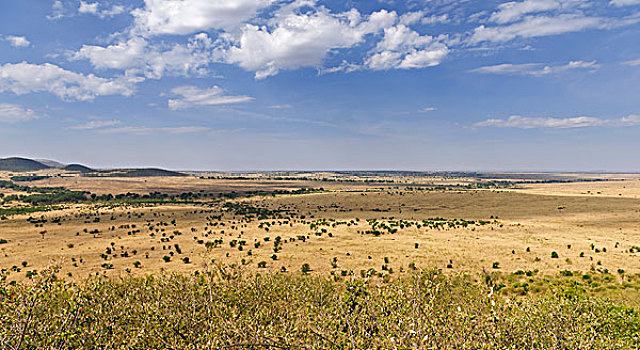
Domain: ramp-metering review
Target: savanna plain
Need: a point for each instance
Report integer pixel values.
(319, 260)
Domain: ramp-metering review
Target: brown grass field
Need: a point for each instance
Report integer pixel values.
(590, 225)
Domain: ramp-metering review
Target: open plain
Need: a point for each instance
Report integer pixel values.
(384, 224)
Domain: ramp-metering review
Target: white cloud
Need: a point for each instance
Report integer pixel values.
(10, 113)
(123, 55)
(534, 69)
(137, 56)
(190, 16)
(635, 62)
(114, 11)
(287, 106)
(57, 10)
(294, 39)
(113, 127)
(427, 110)
(17, 41)
(404, 48)
(345, 66)
(96, 124)
(516, 121)
(22, 78)
(513, 11)
(435, 19)
(536, 26)
(633, 119)
(86, 7)
(620, 3)
(192, 96)
(94, 9)
(410, 18)
(142, 130)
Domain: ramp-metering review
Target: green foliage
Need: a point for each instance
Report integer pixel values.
(29, 178)
(62, 196)
(229, 309)
(306, 268)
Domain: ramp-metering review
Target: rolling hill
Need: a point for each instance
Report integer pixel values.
(16, 164)
(143, 172)
(78, 168)
(21, 164)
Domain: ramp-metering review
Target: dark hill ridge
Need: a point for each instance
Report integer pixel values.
(16, 164)
(79, 168)
(21, 164)
(144, 172)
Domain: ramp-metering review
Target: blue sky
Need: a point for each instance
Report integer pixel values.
(272, 85)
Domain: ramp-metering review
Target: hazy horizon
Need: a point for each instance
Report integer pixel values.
(249, 170)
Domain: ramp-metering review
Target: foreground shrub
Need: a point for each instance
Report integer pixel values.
(232, 309)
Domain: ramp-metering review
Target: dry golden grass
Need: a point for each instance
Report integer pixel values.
(629, 188)
(529, 228)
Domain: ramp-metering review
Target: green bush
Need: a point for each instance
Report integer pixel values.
(230, 309)
(305, 268)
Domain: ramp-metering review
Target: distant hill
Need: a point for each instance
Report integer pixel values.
(135, 173)
(79, 168)
(21, 164)
(16, 164)
(50, 163)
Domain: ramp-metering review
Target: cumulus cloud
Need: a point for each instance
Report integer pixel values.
(266, 37)
(295, 39)
(10, 113)
(192, 96)
(137, 56)
(189, 16)
(516, 121)
(534, 69)
(536, 26)
(17, 41)
(22, 78)
(403, 48)
(94, 9)
(86, 7)
(123, 55)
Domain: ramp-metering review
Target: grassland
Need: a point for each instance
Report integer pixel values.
(315, 260)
